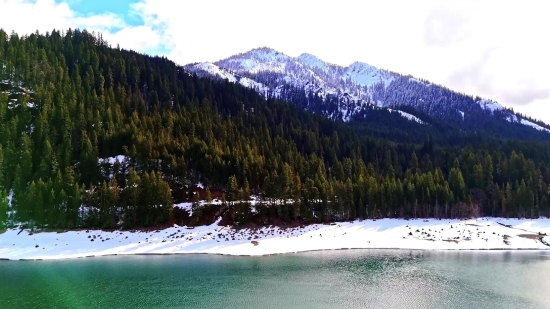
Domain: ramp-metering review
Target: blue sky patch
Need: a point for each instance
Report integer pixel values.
(121, 8)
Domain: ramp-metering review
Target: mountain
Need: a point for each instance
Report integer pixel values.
(352, 93)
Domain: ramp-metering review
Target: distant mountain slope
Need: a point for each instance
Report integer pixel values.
(348, 93)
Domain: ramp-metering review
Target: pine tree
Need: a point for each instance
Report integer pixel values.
(195, 205)
(509, 205)
(544, 206)
(232, 189)
(296, 194)
(479, 179)
(132, 199)
(487, 171)
(3, 209)
(3, 195)
(457, 185)
(208, 195)
(245, 196)
(114, 201)
(165, 202)
(414, 164)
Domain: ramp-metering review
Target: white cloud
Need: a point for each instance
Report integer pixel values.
(26, 17)
(103, 22)
(492, 49)
(140, 38)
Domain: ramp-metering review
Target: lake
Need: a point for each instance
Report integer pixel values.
(327, 279)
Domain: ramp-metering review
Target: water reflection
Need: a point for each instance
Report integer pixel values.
(328, 279)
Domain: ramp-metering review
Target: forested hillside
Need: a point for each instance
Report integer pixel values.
(68, 102)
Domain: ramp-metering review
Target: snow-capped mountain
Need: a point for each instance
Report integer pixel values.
(275, 74)
(212, 70)
(348, 93)
(307, 71)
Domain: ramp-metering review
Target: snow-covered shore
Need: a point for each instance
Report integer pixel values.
(475, 234)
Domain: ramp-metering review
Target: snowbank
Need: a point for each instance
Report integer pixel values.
(478, 234)
(407, 115)
(112, 160)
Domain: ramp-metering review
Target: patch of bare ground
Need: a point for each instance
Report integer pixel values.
(530, 236)
(451, 240)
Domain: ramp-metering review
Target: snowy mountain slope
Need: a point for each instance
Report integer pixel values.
(489, 105)
(313, 62)
(525, 122)
(342, 93)
(257, 60)
(212, 70)
(407, 116)
(366, 75)
(308, 71)
(275, 70)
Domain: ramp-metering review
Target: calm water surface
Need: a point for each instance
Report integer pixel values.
(330, 279)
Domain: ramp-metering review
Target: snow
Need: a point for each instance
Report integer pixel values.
(407, 115)
(112, 160)
(10, 197)
(313, 62)
(210, 69)
(432, 234)
(533, 125)
(514, 118)
(214, 70)
(367, 75)
(257, 60)
(489, 105)
(305, 71)
(412, 79)
(358, 82)
(185, 206)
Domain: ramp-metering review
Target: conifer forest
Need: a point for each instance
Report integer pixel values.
(70, 103)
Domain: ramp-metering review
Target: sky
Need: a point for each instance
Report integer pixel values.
(494, 49)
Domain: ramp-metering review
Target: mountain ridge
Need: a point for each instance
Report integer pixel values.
(353, 88)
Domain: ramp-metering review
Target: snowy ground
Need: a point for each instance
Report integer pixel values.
(476, 234)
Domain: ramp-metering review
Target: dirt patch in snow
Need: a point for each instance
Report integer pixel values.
(451, 240)
(530, 236)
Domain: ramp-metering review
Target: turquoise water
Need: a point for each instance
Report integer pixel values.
(329, 279)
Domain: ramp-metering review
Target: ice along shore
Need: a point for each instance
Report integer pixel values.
(433, 234)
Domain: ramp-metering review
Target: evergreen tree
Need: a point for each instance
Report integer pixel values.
(208, 196)
(414, 164)
(457, 185)
(232, 189)
(3, 195)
